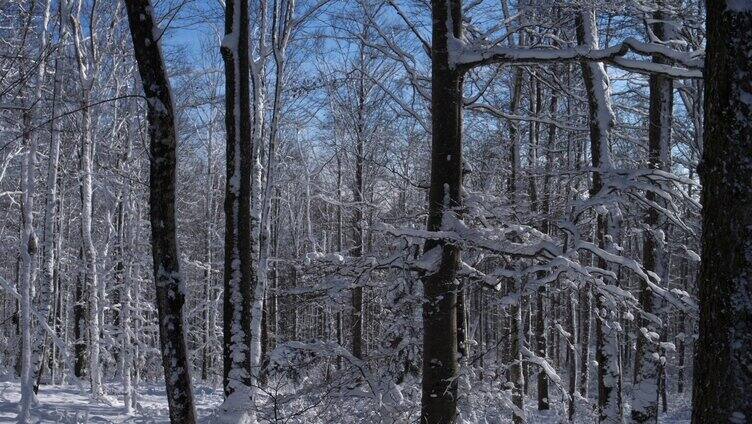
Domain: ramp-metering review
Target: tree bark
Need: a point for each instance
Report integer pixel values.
(358, 218)
(600, 122)
(440, 364)
(647, 367)
(516, 373)
(207, 328)
(27, 252)
(46, 288)
(170, 287)
(723, 361)
(574, 362)
(239, 266)
(585, 300)
(89, 251)
(79, 320)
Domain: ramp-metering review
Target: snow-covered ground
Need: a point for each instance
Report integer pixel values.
(68, 405)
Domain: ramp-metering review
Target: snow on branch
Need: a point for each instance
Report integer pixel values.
(635, 184)
(464, 55)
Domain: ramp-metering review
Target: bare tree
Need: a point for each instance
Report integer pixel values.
(170, 286)
(240, 266)
(440, 361)
(655, 254)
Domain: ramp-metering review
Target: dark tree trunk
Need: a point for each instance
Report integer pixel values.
(540, 330)
(340, 248)
(482, 320)
(647, 368)
(574, 360)
(206, 358)
(723, 361)
(514, 138)
(207, 325)
(239, 265)
(462, 347)
(440, 364)
(516, 367)
(584, 321)
(538, 205)
(358, 218)
(119, 274)
(79, 321)
(607, 349)
(516, 325)
(170, 289)
(681, 347)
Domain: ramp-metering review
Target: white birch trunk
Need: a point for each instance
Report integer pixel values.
(29, 243)
(28, 252)
(280, 39)
(87, 171)
(126, 241)
(48, 249)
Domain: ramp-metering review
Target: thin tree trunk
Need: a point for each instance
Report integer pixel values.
(46, 287)
(516, 327)
(584, 321)
(647, 367)
(340, 248)
(79, 319)
(540, 335)
(90, 256)
(681, 338)
(207, 362)
(125, 237)
(574, 362)
(358, 218)
(517, 375)
(28, 250)
(601, 120)
(89, 252)
(540, 317)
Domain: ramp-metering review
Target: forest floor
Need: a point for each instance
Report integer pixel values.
(67, 404)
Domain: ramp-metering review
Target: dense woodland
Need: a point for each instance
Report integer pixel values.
(382, 211)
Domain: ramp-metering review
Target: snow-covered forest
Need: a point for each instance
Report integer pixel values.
(376, 211)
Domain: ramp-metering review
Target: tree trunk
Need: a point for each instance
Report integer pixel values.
(170, 287)
(516, 374)
(358, 248)
(340, 248)
(723, 360)
(584, 321)
(46, 288)
(540, 333)
(125, 238)
(601, 120)
(645, 389)
(574, 360)
(89, 252)
(239, 267)
(516, 325)
(28, 250)
(79, 320)
(440, 365)
(207, 329)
